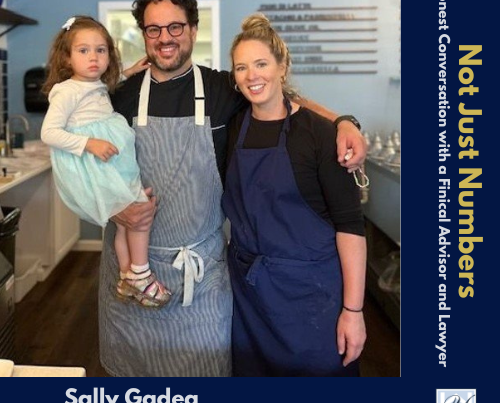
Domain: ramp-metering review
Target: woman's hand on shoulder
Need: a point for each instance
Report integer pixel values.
(137, 67)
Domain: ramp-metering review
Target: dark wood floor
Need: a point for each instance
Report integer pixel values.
(56, 323)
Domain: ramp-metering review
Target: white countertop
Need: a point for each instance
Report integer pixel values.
(29, 161)
(6, 368)
(9, 369)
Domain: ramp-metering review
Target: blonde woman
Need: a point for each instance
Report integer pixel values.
(297, 253)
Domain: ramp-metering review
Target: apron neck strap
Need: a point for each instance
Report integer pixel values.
(286, 124)
(142, 115)
(199, 98)
(284, 129)
(244, 128)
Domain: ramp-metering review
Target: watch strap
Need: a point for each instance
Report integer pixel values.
(350, 118)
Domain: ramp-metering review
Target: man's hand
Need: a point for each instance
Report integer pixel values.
(348, 136)
(102, 149)
(138, 216)
(350, 143)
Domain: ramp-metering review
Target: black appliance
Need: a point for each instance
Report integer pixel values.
(34, 100)
(9, 226)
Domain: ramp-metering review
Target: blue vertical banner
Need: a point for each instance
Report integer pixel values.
(449, 245)
(449, 221)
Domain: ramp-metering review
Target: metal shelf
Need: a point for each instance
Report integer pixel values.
(8, 17)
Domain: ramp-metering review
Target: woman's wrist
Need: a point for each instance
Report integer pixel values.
(352, 309)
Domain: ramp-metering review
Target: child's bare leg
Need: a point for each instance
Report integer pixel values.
(138, 246)
(121, 248)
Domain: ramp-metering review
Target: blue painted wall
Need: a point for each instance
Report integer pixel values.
(374, 99)
(28, 45)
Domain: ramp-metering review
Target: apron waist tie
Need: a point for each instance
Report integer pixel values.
(193, 265)
(257, 260)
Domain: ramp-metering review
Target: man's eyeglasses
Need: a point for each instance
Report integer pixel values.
(174, 29)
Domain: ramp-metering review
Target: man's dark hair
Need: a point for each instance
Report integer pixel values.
(189, 6)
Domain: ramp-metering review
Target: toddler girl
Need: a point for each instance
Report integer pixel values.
(93, 147)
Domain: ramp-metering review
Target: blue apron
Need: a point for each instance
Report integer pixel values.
(284, 269)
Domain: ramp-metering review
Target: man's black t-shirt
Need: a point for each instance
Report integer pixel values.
(175, 98)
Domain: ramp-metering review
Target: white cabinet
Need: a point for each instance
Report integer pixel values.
(33, 198)
(47, 229)
(65, 228)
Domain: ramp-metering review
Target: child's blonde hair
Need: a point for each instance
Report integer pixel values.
(59, 68)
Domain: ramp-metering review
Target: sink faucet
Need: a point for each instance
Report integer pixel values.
(8, 148)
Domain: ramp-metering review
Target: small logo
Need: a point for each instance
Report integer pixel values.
(456, 396)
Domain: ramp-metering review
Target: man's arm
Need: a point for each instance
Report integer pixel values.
(348, 136)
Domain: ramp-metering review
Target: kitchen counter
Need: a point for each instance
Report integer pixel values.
(27, 163)
(384, 204)
(9, 369)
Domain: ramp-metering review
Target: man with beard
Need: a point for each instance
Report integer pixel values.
(179, 112)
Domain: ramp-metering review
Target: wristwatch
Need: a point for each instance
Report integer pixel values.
(350, 118)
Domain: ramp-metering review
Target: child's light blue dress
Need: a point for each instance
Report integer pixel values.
(93, 189)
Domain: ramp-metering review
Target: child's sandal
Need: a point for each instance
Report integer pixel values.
(148, 292)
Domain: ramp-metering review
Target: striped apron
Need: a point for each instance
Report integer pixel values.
(191, 335)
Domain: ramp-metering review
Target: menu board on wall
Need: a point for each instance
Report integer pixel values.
(334, 40)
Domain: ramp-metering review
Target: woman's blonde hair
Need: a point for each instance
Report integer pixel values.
(257, 27)
(58, 67)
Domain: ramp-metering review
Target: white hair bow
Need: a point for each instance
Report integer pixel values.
(67, 25)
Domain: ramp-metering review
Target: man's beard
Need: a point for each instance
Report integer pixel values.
(171, 65)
